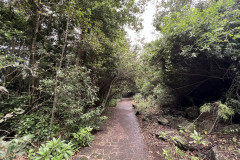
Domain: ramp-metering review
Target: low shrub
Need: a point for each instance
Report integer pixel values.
(82, 138)
(56, 149)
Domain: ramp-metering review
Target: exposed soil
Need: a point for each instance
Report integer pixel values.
(225, 146)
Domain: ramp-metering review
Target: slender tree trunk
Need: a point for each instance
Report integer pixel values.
(78, 56)
(13, 46)
(109, 91)
(32, 54)
(56, 78)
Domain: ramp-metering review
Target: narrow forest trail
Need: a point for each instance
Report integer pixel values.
(120, 138)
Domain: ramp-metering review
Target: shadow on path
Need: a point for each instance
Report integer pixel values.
(120, 138)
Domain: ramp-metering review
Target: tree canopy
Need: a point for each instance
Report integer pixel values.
(64, 62)
(58, 62)
(198, 53)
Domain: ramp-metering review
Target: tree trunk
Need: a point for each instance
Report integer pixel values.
(32, 54)
(13, 46)
(109, 90)
(78, 55)
(56, 78)
(214, 125)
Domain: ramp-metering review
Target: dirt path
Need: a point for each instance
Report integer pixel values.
(120, 138)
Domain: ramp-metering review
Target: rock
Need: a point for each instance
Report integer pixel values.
(186, 125)
(192, 112)
(162, 120)
(216, 154)
(180, 141)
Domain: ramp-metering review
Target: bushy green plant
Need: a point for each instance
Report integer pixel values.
(76, 99)
(92, 118)
(83, 137)
(113, 102)
(146, 88)
(144, 104)
(223, 111)
(163, 95)
(167, 154)
(56, 149)
(16, 147)
(180, 152)
(197, 137)
(153, 93)
(35, 124)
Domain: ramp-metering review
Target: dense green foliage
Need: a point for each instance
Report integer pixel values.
(196, 60)
(34, 124)
(63, 62)
(188, 79)
(60, 61)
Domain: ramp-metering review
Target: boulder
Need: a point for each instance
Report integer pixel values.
(186, 125)
(192, 112)
(162, 120)
(180, 141)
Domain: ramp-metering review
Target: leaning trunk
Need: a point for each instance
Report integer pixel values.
(109, 91)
